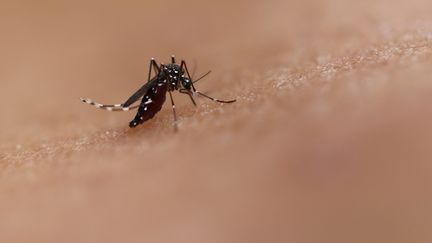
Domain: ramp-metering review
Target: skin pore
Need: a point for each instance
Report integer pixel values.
(329, 140)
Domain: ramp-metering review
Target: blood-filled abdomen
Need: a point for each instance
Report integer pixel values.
(151, 103)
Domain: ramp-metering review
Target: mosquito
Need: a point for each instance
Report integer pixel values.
(167, 78)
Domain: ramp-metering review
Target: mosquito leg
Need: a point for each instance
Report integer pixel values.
(153, 65)
(183, 64)
(214, 99)
(174, 111)
(139, 93)
(189, 93)
(114, 107)
(173, 60)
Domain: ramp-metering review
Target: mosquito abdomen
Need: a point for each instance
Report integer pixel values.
(151, 103)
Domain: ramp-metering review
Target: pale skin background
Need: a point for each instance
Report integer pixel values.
(329, 141)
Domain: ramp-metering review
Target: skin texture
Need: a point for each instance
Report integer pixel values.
(329, 140)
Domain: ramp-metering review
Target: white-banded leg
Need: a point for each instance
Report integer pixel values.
(136, 96)
(174, 111)
(115, 107)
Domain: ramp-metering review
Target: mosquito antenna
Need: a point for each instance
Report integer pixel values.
(214, 99)
(202, 77)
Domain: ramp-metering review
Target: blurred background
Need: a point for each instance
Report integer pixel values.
(329, 140)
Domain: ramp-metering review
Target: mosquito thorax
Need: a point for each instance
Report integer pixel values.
(173, 73)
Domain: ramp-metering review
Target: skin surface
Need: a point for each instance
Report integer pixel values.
(329, 140)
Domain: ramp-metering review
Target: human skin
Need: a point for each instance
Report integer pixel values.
(329, 140)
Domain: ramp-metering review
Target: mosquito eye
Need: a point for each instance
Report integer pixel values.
(186, 84)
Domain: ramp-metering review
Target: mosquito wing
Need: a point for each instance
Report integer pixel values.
(139, 93)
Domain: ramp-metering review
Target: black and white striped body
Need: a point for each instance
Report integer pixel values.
(168, 78)
(151, 103)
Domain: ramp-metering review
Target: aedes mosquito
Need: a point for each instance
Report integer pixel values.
(168, 78)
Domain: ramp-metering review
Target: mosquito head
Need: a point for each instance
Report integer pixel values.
(186, 83)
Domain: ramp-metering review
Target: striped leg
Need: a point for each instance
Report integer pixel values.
(135, 97)
(115, 107)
